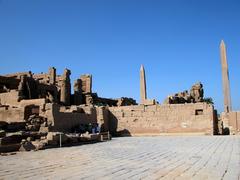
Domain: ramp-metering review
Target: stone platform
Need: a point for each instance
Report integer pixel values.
(162, 157)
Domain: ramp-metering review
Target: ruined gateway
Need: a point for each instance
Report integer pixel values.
(38, 106)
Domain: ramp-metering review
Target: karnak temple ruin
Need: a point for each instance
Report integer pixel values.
(44, 110)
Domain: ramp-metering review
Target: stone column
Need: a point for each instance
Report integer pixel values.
(52, 75)
(65, 88)
(143, 92)
(78, 92)
(86, 83)
(22, 88)
(225, 79)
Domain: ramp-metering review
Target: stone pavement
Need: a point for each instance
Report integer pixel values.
(162, 157)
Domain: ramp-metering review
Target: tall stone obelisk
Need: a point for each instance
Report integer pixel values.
(225, 79)
(143, 92)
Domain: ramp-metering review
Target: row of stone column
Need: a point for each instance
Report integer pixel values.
(82, 86)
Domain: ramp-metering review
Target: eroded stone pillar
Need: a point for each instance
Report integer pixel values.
(78, 92)
(52, 75)
(86, 83)
(225, 79)
(66, 87)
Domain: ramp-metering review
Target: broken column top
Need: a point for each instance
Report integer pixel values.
(86, 80)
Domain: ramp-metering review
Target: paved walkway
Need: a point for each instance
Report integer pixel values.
(164, 157)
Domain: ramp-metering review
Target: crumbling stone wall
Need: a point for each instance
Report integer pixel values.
(64, 120)
(157, 119)
(17, 113)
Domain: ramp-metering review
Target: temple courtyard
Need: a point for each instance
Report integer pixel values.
(161, 157)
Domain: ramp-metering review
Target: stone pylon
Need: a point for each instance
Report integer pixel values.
(143, 92)
(225, 79)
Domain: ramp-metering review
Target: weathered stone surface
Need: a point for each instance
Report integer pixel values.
(159, 119)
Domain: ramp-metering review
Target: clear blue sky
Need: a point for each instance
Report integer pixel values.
(176, 40)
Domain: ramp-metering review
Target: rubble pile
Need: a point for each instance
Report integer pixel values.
(32, 138)
(194, 96)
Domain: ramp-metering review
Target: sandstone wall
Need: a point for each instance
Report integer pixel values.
(11, 114)
(9, 98)
(64, 119)
(17, 113)
(60, 118)
(157, 119)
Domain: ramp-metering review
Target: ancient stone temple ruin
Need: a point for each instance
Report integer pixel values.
(40, 106)
(36, 104)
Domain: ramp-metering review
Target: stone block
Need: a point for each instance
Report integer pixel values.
(53, 138)
(44, 129)
(149, 114)
(137, 114)
(36, 102)
(26, 146)
(39, 145)
(151, 108)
